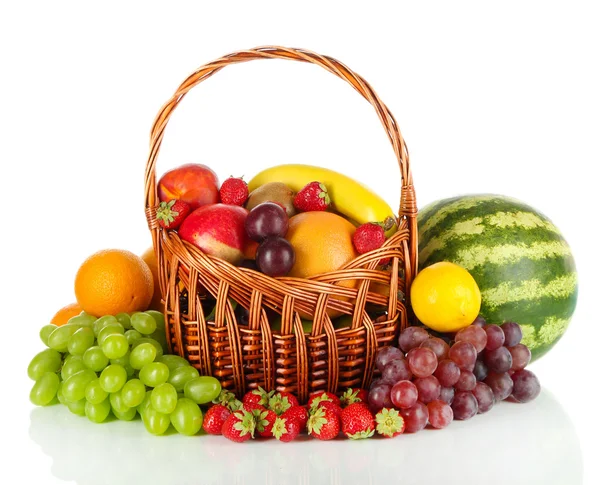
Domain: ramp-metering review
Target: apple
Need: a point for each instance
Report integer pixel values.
(218, 230)
(193, 183)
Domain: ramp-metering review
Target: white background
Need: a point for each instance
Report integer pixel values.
(491, 97)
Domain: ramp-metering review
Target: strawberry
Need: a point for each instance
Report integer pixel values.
(353, 395)
(286, 429)
(389, 422)
(234, 191)
(282, 401)
(313, 197)
(258, 396)
(214, 418)
(297, 412)
(239, 426)
(357, 421)
(333, 407)
(264, 418)
(227, 399)
(320, 396)
(323, 423)
(171, 214)
(368, 237)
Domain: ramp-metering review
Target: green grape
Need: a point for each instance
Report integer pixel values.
(101, 322)
(116, 402)
(145, 404)
(154, 374)
(94, 359)
(59, 339)
(144, 340)
(48, 360)
(155, 422)
(111, 329)
(124, 319)
(202, 390)
(187, 417)
(80, 341)
(97, 413)
(158, 317)
(161, 338)
(82, 320)
(45, 332)
(113, 378)
(141, 355)
(124, 361)
(115, 346)
(126, 416)
(77, 407)
(59, 394)
(44, 389)
(132, 335)
(143, 323)
(74, 387)
(94, 392)
(180, 376)
(133, 393)
(173, 361)
(72, 365)
(164, 398)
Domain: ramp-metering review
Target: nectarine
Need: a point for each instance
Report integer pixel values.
(193, 183)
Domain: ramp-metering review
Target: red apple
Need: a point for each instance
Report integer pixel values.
(218, 230)
(193, 183)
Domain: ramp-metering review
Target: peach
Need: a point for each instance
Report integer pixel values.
(218, 230)
(193, 183)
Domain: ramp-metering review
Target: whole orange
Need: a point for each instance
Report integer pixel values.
(62, 316)
(114, 281)
(149, 258)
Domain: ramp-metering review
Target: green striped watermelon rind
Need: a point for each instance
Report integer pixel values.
(520, 260)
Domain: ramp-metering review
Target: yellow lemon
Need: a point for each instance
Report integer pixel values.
(445, 297)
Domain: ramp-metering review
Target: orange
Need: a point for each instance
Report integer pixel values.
(150, 259)
(114, 281)
(62, 316)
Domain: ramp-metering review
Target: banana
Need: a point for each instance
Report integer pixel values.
(349, 197)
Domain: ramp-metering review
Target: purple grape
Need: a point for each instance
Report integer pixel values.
(464, 354)
(466, 381)
(429, 389)
(521, 356)
(375, 382)
(447, 373)
(275, 256)
(250, 264)
(422, 361)
(387, 354)
(447, 394)
(526, 386)
(464, 405)
(415, 417)
(501, 385)
(512, 333)
(412, 337)
(394, 371)
(266, 220)
(404, 394)
(495, 337)
(379, 397)
(479, 322)
(480, 370)
(439, 347)
(499, 360)
(475, 335)
(485, 397)
(440, 414)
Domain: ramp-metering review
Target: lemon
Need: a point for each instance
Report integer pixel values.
(445, 297)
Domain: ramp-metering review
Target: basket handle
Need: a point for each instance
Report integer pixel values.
(408, 207)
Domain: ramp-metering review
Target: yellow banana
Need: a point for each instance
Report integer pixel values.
(348, 197)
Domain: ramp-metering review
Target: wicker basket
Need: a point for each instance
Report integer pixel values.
(246, 353)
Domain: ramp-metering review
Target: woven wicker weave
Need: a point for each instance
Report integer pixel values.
(246, 353)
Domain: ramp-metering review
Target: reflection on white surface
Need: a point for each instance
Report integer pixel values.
(512, 444)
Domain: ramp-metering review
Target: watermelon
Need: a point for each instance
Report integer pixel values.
(520, 260)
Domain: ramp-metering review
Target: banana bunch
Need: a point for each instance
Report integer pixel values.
(349, 197)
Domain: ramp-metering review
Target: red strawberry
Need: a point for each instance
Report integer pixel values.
(390, 422)
(357, 421)
(214, 418)
(353, 395)
(282, 401)
(333, 407)
(368, 237)
(258, 396)
(320, 396)
(323, 423)
(299, 413)
(234, 191)
(286, 429)
(239, 426)
(171, 214)
(313, 197)
(264, 418)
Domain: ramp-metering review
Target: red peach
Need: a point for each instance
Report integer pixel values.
(218, 230)
(193, 183)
